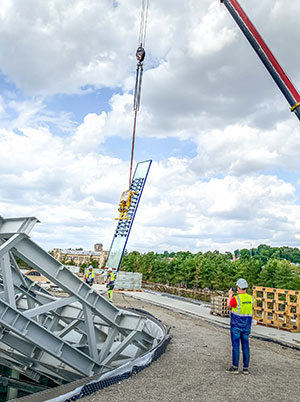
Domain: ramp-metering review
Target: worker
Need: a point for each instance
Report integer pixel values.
(110, 283)
(89, 277)
(240, 324)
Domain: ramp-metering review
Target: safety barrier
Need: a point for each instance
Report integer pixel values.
(279, 308)
(197, 294)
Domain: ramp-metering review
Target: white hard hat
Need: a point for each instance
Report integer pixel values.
(242, 283)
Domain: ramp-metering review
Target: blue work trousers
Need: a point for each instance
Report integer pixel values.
(238, 336)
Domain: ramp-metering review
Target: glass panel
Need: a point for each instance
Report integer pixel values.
(116, 252)
(141, 169)
(123, 229)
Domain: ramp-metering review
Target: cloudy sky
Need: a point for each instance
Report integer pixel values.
(224, 145)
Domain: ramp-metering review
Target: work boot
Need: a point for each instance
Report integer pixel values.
(233, 370)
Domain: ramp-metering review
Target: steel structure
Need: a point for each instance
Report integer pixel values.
(264, 53)
(67, 338)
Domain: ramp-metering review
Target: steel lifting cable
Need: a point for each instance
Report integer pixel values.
(144, 18)
(140, 56)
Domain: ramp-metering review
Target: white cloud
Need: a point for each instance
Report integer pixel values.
(213, 214)
(90, 133)
(60, 47)
(44, 178)
(239, 150)
(202, 83)
(202, 37)
(74, 193)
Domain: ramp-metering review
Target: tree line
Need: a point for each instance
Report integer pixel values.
(262, 266)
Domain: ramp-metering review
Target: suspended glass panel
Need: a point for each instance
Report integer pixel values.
(124, 225)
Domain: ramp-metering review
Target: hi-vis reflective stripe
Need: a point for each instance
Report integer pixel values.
(239, 305)
(242, 315)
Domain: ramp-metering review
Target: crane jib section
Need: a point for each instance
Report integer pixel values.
(280, 77)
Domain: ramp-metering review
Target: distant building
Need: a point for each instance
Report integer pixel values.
(80, 257)
(98, 247)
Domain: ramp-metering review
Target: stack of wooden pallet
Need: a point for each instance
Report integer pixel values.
(219, 306)
(279, 308)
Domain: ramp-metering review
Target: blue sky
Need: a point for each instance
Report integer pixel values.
(80, 105)
(224, 145)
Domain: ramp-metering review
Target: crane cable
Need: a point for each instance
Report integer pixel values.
(140, 56)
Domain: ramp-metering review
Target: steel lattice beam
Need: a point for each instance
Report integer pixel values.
(62, 338)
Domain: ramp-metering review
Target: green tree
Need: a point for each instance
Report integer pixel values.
(283, 277)
(248, 269)
(197, 280)
(264, 265)
(93, 263)
(296, 277)
(183, 269)
(160, 270)
(237, 253)
(244, 253)
(267, 274)
(131, 262)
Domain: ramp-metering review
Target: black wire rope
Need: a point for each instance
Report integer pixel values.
(140, 55)
(143, 23)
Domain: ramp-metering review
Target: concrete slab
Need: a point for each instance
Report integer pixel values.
(203, 312)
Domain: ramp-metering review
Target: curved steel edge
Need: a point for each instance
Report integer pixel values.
(86, 386)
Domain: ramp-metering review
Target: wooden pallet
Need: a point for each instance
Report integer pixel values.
(278, 308)
(218, 306)
(278, 326)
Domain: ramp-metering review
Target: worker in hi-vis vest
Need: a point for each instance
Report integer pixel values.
(89, 277)
(240, 324)
(110, 283)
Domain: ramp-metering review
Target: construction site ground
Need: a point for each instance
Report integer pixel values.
(193, 368)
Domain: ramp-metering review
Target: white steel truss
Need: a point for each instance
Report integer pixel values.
(66, 338)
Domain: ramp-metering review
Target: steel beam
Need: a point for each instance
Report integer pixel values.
(66, 338)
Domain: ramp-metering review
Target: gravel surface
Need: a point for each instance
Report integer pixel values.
(194, 367)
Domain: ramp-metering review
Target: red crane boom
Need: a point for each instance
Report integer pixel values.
(264, 53)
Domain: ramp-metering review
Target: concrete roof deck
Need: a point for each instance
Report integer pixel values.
(202, 310)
